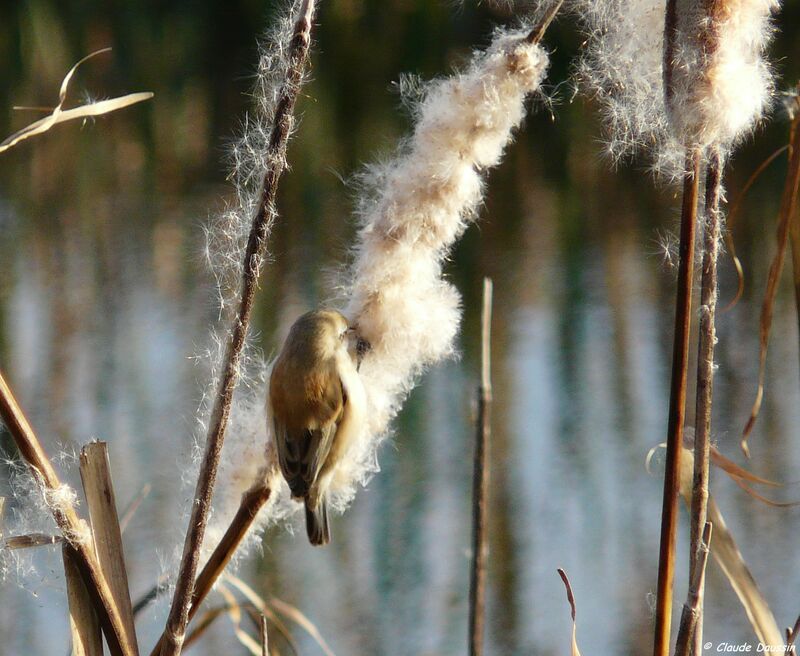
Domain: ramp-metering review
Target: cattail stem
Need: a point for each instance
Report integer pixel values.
(252, 502)
(677, 406)
(705, 379)
(692, 615)
(480, 482)
(254, 254)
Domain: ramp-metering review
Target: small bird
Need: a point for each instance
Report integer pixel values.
(317, 403)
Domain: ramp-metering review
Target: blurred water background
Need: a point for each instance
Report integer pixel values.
(104, 298)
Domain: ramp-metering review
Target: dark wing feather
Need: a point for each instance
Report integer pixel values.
(305, 435)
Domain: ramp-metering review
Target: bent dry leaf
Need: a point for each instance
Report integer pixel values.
(571, 600)
(787, 211)
(727, 555)
(60, 115)
(287, 610)
(735, 206)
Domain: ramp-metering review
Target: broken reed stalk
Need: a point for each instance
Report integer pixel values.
(677, 406)
(106, 532)
(87, 639)
(705, 380)
(254, 254)
(692, 614)
(252, 502)
(264, 636)
(71, 525)
(786, 217)
(480, 482)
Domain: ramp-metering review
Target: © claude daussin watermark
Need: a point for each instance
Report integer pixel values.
(745, 648)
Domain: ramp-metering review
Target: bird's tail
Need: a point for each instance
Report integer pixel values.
(317, 527)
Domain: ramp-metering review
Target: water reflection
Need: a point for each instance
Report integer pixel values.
(103, 298)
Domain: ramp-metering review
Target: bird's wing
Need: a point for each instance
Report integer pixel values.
(303, 446)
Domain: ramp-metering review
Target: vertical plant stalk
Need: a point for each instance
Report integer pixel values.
(106, 531)
(791, 636)
(705, 381)
(264, 636)
(480, 482)
(787, 217)
(692, 614)
(677, 406)
(254, 254)
(794, 219)
(252, 502)
(73, 528)
(87, 640)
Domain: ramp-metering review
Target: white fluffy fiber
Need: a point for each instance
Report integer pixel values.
(721, 83)
(413, 208)
(622, 67)
(244, 455)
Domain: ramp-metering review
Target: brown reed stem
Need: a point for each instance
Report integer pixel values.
(252, 502)
(677, 406)
(692, 614)
(254, 254)
(705, 379)
(106, 532)
(480, 482)
(84, 626)
(71, 525)
(537, 33)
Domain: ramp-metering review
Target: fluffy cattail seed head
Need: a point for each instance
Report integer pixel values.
(716, 82)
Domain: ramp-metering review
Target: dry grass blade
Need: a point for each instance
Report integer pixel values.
(734, 211)
(31, 540)
(787, 211)
(60, 115)
(202, 625)
(101, 501)
(84, 626)
(737, 471)
(133, 506)
(760, 497)
(571, 600)
(287, 610)
(727, 555)
(234, 612)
